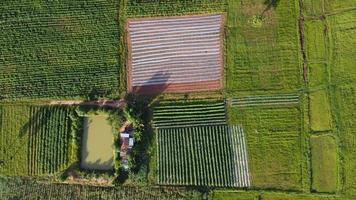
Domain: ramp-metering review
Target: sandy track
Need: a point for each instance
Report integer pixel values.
(102, 103)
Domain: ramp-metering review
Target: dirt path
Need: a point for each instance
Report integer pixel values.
(102, 103)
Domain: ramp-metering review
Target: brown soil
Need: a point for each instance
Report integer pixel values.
(179, 88)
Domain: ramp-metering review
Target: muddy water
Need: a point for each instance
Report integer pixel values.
(97, 144)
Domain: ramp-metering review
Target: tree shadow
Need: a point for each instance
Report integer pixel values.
(151, 89)
(270, 4)
(37, 121)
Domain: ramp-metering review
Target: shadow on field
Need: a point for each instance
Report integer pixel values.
(270, 4)
(139, 101)
(37, 122)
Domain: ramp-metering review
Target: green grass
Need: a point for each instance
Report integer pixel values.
(285, 196)
(315, 7)
(14, 140)
(234, 195)
(35, 140)
(343, 47)
(264, 195)
(320, 116)
(262, 53)
(274, 145)
(345, 97)
(139, 8)
(59, 49)
(338, 6)
(324, 163)
(316, 41)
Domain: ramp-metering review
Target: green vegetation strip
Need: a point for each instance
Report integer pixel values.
(264, 195)
(324, 163)
(139, 8)
(15, 188)
(346, 102)
(170, 114)
(276, 100)
(320, 113)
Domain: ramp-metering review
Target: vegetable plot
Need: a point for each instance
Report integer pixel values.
(203, 156)
(170, 114)
(175, 54)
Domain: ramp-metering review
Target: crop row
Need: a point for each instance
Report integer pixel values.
(52, 49)
(175, 50)
(202, 156)
(49, 140)
(14, 188)
(175, 7)
(276, 100)
(171, 114)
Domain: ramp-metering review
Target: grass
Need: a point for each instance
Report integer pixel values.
(265, 195)
(345, 99)
(234, 195)
(320, 114)
(97, 144)
(344, 41)
(316, 39)
(274, 145)
(66, 49)
(14, 141)
(262, 46)
(285, 196)
(324, 163)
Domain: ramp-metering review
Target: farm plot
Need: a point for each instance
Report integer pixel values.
(170, 114)
(275, 100)
(15, 188)
(344, 51)
(324, 160)
(59, 49)
(139, 8)
(50, 140)
(262, 46)
(13, 143)
(34, 140)
(203, 156)
(175, 54)
(274, 144)
(346, 106)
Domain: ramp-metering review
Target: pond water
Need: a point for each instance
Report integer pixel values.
(97, 143)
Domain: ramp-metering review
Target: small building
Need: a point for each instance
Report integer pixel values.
(127, 142)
